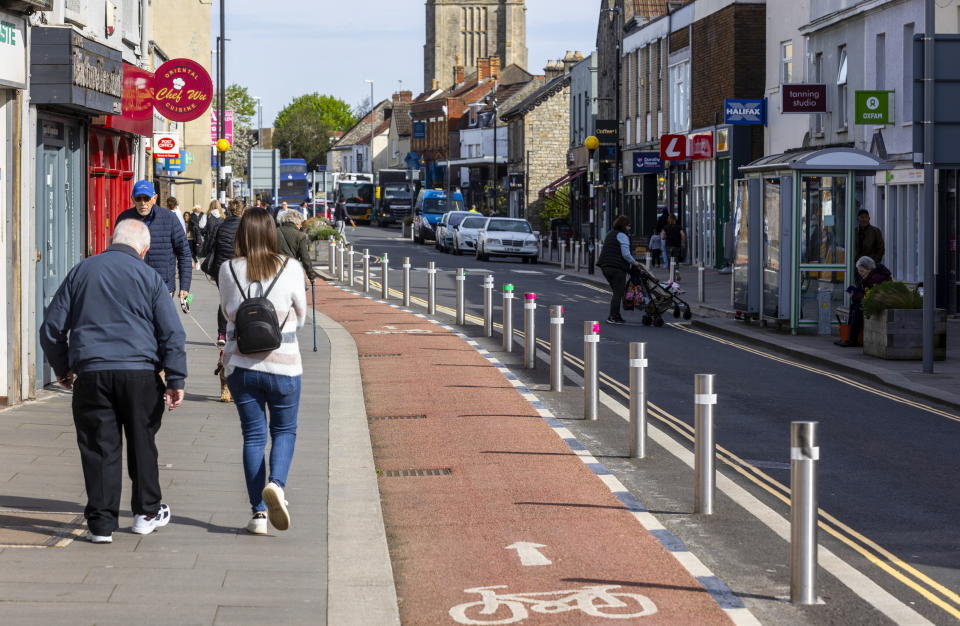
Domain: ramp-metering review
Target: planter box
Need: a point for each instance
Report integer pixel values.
(897, 334)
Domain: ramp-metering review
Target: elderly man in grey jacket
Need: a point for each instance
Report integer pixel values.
(108, 333)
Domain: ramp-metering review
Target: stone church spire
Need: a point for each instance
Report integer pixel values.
(470, 30)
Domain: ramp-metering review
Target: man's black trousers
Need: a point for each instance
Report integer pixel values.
(106, 404)
(617, 279)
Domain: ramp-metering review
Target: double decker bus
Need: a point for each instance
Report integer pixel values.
(294, 187)
(356, 190)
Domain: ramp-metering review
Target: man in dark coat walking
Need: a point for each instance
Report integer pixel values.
(169, 250)
(108, 333)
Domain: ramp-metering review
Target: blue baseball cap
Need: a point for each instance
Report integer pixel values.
(143, 188)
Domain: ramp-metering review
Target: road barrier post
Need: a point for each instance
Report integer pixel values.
(804, 455)
(576, 256)
(638, 400)
(488, 305)
(591, 392)
(351, 269)
(341, 262)
(529, 330)
(563, 256)
(701, 286)
(332, 256)
(673, 269)
(406, 281)
(507, 308)
(385, 279)
(431, 288)
(705, 452)
(556, 348)
(366, 270)
(549, 248)
(648, 261)
(461, 312)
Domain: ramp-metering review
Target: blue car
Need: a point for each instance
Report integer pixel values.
(431, 206)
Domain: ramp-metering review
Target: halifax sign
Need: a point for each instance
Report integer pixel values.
(745, 111)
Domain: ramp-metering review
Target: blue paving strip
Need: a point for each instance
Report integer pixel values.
(599, 469)
(554, 422)
(574, 444)
(630, 501)
(537, 404)
(522, 389)
(669, 541)
(721, 592)
(510, 376)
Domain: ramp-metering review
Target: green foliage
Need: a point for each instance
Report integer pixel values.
(304, 126)
(556, 207)
(892, 294)
(408, 220)
(322, 232)
(244, 109)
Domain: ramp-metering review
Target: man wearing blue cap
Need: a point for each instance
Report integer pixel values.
(169, 249)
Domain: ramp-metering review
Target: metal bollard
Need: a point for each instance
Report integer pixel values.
(461, 312)
(488, 305)
(701, 286)
(648, 260)
(563, 257)
(332, 256)
(431, 288)
(341, 262)
(549, 248)
(350, 269)
(507, 308)
(705, 449)
(366, 270)
(406, 281)
(556, 348)
(638, 400)
(385, 279)
(804, 455)
(673, 269)
(576, 256)
(591, 391)
(529, 330)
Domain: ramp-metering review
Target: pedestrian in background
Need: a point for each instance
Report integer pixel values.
(615, 261)
(656, 249)
(869, 238)
(340, 216)
(111, 355)
(869, 275)
(173, 205)
(201, 215)
(169, 252)
(194, 237)
(215, 217)
(294, 243)
(223, 250)
(673, 239)
(265, 380)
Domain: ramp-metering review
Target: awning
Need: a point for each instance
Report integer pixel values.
(554, 187)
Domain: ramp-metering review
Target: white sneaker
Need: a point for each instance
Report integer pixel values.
(144, 525)
(276, 506)
(258, 524)
(89, 536)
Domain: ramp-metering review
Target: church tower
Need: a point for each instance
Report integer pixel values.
(461, 31)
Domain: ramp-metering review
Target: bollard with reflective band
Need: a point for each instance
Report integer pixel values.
(341, 262)
(406, 281)
(351, 273)
(804, 455)
(704, 443)
(576, 256)
(385, 278)
(507, 308)
(556, 348)
(701, 287)
(488, 305)
(648, 261)
(461, 307)
(638, 400)
(563, 258)
(529, 330)
(332, 256)
(431, 288)
(673, 269)
(366, 270)
(591, 391)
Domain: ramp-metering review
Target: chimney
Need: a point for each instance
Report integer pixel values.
(553, 69)
(403, 96)
(434, 84)
(483, 69)
(495, 66)
(571, 59)
(458, 74)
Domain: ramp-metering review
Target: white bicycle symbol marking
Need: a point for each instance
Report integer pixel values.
(509, 608)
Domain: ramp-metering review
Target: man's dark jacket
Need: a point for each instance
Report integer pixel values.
(293, 242)
(168, 246)
(223, 244)
(112, 312)
(869, 242)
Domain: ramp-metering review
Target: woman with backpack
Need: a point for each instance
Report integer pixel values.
(263, 298)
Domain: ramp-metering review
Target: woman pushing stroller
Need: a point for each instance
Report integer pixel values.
(616, 262)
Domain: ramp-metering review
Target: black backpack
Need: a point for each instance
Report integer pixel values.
(256, 325)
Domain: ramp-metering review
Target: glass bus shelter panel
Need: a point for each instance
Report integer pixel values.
(771, 247)
(811, 283)
(823, 220)
(741, 237)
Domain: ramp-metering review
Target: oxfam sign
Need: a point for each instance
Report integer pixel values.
(873, 107)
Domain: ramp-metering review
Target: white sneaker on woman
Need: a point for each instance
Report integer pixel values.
(258, 524)
(276, 506)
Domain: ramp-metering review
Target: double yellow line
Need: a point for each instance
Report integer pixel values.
(933, 591)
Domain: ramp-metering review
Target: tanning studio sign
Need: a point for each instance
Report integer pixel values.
(745, 111)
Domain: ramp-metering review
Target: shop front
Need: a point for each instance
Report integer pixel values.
(73, 79)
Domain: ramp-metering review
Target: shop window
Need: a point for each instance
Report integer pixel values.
(842, 92)
(786, 62)
(680, 97)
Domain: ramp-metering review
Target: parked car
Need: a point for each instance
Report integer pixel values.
(467, 232)
(446, 228)
(506, 236)
(430, 207)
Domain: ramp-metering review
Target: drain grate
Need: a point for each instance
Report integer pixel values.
(378, 356)
(439, 471)
(397, 417)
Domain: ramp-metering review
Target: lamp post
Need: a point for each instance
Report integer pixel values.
(591, 143)
(373, 123)
(222, 93)
(259, 122)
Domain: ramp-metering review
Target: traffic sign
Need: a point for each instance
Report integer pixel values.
(673, 147)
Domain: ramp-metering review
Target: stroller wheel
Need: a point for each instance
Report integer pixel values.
(658, 322)
(647, 320)
(687, 314)
(676, 311)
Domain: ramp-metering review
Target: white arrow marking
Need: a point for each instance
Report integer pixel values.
(671, 150)
(390, 327)
(529, 553)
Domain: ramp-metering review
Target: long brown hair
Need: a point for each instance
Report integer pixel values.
(257, 243)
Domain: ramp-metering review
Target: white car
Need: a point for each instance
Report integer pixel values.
(467, 232)
(447, 226)
(507, 236)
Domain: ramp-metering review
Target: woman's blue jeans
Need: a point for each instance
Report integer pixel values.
(253, 392)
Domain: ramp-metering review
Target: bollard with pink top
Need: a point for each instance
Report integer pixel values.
(529, 331)
(591, 391)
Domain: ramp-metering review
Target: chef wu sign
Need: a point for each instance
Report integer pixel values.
(183, 90)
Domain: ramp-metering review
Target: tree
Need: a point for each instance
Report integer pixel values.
(555, 206)
(244, 108)
(306, 124)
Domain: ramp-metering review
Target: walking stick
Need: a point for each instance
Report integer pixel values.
(313, 297)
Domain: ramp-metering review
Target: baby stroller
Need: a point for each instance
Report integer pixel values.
(654, 298)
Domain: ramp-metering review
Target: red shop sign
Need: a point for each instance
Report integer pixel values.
(673, 147)
(137, 103)
(701, 146)
(183, 90)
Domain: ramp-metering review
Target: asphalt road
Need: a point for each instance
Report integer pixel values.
(889, 468)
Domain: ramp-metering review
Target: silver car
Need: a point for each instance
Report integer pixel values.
(446, 228)
(506, 236)
(467, 232)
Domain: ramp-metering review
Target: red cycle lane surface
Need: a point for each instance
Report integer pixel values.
(519, 530)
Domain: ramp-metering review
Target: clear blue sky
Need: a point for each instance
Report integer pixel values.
(280, 49)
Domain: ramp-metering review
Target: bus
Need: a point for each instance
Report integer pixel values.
(293, 187)
(357, 191)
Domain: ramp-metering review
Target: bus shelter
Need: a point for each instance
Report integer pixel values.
(794, 228)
